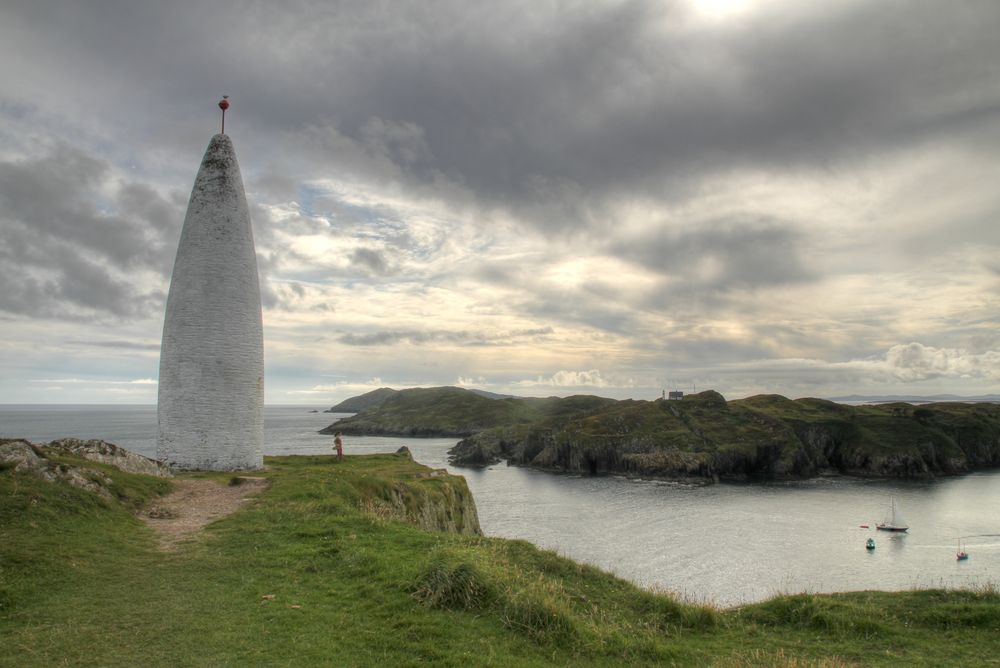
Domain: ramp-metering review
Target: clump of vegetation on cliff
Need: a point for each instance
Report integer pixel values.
(310, 573)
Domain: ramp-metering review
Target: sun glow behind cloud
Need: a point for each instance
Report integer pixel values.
(722, 10)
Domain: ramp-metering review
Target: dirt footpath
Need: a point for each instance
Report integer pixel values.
(194, 504)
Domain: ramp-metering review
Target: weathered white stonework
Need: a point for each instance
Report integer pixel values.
(211, 391)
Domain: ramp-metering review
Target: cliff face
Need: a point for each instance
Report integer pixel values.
(431, 499)
(701, 438)
(452, 509)
(705, 438)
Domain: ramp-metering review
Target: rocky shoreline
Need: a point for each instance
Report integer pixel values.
(700, 439)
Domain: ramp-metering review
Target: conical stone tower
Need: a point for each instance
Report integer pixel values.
(211, 389)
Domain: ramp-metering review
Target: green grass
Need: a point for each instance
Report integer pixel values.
(310, 574)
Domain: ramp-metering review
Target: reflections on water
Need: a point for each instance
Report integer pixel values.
(726, 544)
(730, 544)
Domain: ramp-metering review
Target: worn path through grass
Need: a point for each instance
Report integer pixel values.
(194, 503)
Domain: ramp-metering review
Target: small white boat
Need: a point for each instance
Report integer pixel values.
(893, 519)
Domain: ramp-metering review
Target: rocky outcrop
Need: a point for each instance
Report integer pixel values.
(492, 446)
(24, 457)
(48, 462)
(111, 454)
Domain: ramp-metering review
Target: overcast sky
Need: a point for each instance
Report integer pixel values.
(536, 197)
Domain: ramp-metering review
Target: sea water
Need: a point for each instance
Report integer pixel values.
(724, 544)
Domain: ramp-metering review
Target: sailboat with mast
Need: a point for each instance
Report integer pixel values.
(893, 519)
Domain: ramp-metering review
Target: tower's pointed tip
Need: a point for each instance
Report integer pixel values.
(224, 104)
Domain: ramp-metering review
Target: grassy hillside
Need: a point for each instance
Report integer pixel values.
(701, 437)
(363, 402)
(314, 572)
(452, 411)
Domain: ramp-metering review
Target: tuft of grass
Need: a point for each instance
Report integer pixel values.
(542, 614)
(455, 583)
(827, 614)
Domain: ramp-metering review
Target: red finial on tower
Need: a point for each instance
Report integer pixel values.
(224, 104)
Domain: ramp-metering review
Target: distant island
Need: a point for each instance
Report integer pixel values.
(915, 398)
(378, 397)
(700, 438)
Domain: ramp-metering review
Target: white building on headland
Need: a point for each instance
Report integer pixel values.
(211, 390)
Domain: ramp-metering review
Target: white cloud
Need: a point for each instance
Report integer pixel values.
(345, 389)
(89, 381)
(907, 363)
(915, 361)
(570, 379)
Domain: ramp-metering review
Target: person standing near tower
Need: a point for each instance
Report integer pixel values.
(338, 445)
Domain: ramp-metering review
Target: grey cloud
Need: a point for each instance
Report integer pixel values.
(721, 254)
(140, 201)
(372, 260)
(568, 105)
(119, 344)
(554, 115)
(274, 185)
(56, 197)
(66, 244)
(72, 289)
(496, 273)
(90, 285)
(416, 337)
(574, 308)
(403, 143)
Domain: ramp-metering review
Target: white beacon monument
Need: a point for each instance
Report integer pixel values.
(211, 388)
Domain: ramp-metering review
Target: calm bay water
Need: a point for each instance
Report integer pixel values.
(725, 544)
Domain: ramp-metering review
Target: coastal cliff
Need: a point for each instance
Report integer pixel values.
(431, 499)
(701, 438)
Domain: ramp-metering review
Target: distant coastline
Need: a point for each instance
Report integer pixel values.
(915, 398)
(701, 438)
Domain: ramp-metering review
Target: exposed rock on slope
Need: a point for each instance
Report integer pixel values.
(47, 462)
(109, 453)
